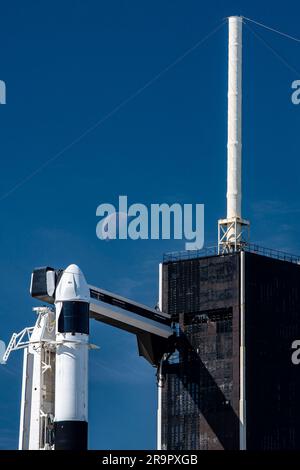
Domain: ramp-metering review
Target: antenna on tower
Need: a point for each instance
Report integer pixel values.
(233, 232)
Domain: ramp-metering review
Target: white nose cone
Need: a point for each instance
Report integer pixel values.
(72, 286)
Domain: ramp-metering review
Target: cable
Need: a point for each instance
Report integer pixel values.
(290, 67)
(121, 105)
(272, 29)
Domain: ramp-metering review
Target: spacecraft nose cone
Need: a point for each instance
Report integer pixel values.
(74, 269)
(72, 286)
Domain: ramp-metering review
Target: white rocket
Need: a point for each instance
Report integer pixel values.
(71, 369)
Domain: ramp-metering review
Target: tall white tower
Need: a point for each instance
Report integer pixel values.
(232, 231)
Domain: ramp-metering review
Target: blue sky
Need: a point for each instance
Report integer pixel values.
(66, 65)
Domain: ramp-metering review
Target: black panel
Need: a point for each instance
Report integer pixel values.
(74, 317)
(153, 347)
(71, 435)
(272, 381)
(201, 390)
(39, 285)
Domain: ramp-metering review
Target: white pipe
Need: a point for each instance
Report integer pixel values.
(159, 406)
(242, 402)
(22, 440)
(159, 377)
(234, 143)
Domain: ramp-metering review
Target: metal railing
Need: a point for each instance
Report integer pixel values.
(213, 251)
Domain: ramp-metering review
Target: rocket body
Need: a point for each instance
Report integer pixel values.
(71, 374)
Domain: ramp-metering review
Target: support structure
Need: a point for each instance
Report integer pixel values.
(234, 230)
(38, 395)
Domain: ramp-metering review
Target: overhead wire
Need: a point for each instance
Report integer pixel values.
(268, 46)
(288, 36)
(111, 113)
(150, 82)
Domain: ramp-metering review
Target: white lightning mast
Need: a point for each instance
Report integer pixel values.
(231, 231)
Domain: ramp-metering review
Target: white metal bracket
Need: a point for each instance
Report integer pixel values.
(17, 341)
(233, 234)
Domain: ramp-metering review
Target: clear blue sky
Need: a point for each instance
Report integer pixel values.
(67, 64)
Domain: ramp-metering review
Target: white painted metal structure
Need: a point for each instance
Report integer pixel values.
(37, 403)
(231, 231)
(124, 318)
(234, 144)
(242, 401)
(37, 398)
(160, 379)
